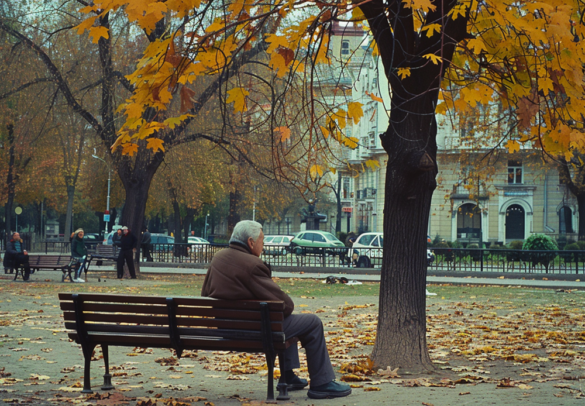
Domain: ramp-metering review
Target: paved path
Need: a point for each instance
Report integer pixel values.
(531, 281)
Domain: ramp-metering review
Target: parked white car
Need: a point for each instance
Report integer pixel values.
(277, 244)
(367, 251)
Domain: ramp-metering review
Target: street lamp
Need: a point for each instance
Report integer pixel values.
(108, 199)
(206, 224)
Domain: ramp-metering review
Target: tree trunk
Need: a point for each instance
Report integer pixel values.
(136, 182)
(69, 216)
(10, 183)
(581, 207)
(410, 181)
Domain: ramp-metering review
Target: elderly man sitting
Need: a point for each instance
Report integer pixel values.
(238, 273)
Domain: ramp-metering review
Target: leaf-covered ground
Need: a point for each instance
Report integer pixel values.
(491, 345)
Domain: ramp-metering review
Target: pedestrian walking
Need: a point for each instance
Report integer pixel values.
(78, 254)
(127, 249)
(145, 245)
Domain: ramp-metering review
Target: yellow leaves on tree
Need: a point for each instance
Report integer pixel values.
(513, 146)
(238, 97)
(155, 144)
(284, 133)
(316, 170)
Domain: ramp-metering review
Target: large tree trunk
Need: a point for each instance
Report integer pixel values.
(136, 182)
(410, 181)
(581, 207)
(69, 214)
(10, 184)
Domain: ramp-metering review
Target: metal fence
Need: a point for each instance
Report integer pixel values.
(445, 259)
(504, 260)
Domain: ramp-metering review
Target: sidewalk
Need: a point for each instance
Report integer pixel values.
(529, 280)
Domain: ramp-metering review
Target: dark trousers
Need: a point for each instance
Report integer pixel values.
(309, 330)
(146, 252)
(22, 260)
(126, 255)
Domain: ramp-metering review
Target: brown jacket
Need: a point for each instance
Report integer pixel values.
(236, 274)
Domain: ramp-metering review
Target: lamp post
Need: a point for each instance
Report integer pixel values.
(206, 225)
(254, 205)
(108, 199)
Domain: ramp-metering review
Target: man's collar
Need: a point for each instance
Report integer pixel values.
(240, 246)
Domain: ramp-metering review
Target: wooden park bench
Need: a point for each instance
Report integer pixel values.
(62, 263)
(178, 323)
(103, 253)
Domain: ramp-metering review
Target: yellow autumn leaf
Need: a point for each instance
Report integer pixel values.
(333, 170)
(372, 164)
(513, 146)
(355, 112)
(284, 133)
(98, 32)
(424, 5)
(314, 171)
(238, 97)
(85, 25)
(545, 85)
(276, 41)
(351, 142)
(357, 14)
(155, 144)
(431, 29)
(129, 148)
(403, 72)
(374, 97)
(278, 64)
(325, 131)
(434, 58)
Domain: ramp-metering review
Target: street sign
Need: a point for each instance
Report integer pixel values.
(106, 217)
(347, 209)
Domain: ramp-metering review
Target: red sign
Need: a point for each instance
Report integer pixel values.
(347, 209)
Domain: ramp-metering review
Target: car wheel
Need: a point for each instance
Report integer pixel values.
(364, 262)
(298, 250)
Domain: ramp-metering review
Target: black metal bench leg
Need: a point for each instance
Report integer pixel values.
(17, 270)
(282, 387)
(270, 361)
(87, 353)
(107, 377)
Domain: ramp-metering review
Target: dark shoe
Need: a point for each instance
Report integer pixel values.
(332, 389)
(133, 277)
(296, 383)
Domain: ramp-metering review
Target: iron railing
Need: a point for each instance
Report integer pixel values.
(445, 259)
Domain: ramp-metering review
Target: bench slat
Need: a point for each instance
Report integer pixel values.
(180, 301)
(159, 309)
(188, 343)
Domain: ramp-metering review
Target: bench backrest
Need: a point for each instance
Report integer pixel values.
(179, 323)
(106, 250)
(49, 260)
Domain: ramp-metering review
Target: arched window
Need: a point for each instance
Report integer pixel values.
(468, 221)
(565, 220)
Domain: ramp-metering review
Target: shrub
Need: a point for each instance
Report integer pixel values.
(573, 256)
(475, 255)
(541, 242)
(581, 245)
(443, 248)
(514, 245)
(538, 242)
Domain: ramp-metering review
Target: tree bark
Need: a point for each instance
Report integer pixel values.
(136, 178)
(69, 215)
(401, 336)
(10, 183)
(581, 208)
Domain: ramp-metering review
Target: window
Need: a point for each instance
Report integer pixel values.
(318, 238)
(565, 220)
(514, 172)
(345, 47)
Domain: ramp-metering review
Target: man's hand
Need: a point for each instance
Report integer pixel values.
(25, 252)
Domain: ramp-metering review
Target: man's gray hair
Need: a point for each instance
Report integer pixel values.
(244, 230)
